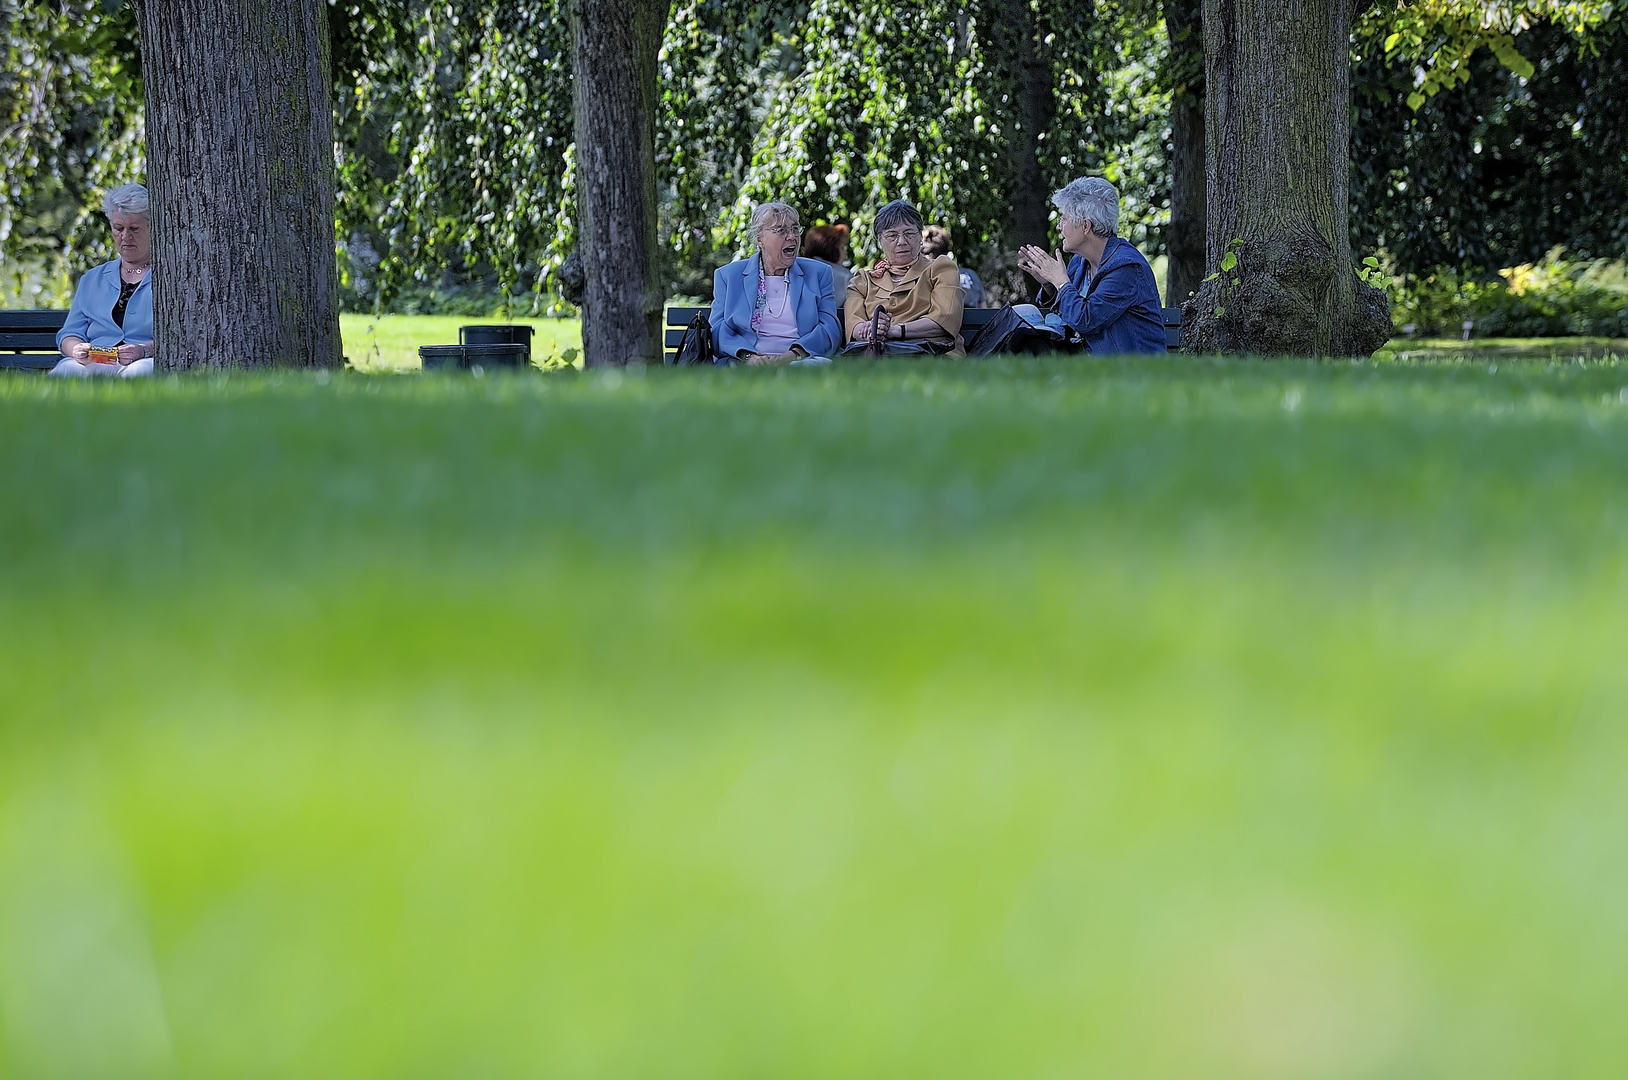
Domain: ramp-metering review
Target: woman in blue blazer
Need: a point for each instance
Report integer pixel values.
(113, 306)
(774, 307)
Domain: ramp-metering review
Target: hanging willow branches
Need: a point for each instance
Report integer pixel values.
(454, 122)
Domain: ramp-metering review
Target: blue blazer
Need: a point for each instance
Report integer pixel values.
(808, 284)
(91, 316)
(1118, 311)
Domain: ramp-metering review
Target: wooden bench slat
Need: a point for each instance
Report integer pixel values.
(28, 361)
(28, 338)
(27, 342)
(32, 319)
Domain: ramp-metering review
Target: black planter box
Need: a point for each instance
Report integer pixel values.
(464, 357)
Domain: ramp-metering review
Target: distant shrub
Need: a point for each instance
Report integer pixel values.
(1551, 298)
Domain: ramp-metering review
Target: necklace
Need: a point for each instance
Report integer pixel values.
(139, 271)
(785, 298)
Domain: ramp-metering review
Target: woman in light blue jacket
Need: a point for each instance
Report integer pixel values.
(109, 330)
(774, 307)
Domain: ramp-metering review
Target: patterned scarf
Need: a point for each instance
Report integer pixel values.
(762, 297)
(881, 268)
(763, 294)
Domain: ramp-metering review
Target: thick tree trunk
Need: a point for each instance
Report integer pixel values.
(1277, 92)
(240, 166)
(615, 64)
(1030, 216)
(1186, 239)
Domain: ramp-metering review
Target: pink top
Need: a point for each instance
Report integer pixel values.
(779, 326)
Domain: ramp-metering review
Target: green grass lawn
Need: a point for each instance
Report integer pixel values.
(1035, 718)
(390, 342)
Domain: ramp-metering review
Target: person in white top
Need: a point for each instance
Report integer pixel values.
(774, 307)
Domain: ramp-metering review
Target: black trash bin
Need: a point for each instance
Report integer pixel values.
(496, 334)
(464, 357)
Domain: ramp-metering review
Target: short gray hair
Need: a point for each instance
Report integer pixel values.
(770, 214)
(1093, 200)
(127, 199)
(896, 213)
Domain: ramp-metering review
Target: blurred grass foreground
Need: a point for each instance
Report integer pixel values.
(1018, 719)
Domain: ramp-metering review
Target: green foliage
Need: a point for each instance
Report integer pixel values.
(456, 128)
(1372, 273)
(1442, 36)
(1500, 169)
(924, 101)
(1551, 298)
(453, 124)
(70, 129)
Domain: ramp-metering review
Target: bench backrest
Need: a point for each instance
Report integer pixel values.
(973, 319)
(28, 338)
(33, 330)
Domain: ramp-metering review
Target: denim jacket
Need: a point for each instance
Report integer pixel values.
(91, 316)
(1117, 311)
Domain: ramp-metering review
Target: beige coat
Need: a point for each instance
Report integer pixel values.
(931, 289)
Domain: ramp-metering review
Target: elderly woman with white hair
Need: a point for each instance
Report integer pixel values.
(109, 329)
(774, 307)
(1107, 291)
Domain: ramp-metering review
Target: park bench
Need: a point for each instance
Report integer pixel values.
(972, 320)
(28, 339)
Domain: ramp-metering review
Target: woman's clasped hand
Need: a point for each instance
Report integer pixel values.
(884, 328)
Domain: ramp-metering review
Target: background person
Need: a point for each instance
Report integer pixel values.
(1107, 291)
(829, 244)
(935, 241)
(113, 305)
(774, 307)
(920, 296)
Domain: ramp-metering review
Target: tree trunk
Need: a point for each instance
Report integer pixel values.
(1029, 215)
(1277, 92)
(615, 65)
(240, 166)
(1186, 238)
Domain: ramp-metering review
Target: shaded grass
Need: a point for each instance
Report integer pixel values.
(1032, 717)
(1545, 349)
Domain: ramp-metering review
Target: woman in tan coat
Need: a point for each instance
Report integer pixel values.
(920, 297)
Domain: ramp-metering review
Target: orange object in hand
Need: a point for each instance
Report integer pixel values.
(101, 355)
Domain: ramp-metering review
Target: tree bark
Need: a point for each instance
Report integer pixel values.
(615, 65)
(1186, 239)
(1277, 93)
(240, 167)
(1029, 221)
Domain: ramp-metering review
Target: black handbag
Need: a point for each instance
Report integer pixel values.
(1009, 332)
(695, 347)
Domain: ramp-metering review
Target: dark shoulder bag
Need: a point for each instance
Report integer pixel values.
(696, 345)
(1005, 333)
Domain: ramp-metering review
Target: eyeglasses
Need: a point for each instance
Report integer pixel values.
(899, 236)
(783, 230)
